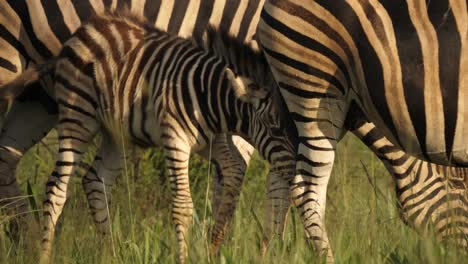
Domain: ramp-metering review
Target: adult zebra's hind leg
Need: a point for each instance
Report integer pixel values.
(99, 179)
(75, 133)
(309, 187)
(177, 152)
(428, 194)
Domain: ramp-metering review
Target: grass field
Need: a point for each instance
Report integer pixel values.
(362, 218)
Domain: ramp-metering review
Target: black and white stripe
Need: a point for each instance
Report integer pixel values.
(430, 195)
(403, 62)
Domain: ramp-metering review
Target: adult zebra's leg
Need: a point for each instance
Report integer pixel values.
(309, 186)
(16, 138)
(177, 152)
(318, 108)
(231, 154)
(75, 132)
(427, 193)
(98, 181)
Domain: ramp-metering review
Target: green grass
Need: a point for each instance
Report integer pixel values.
(362, 219)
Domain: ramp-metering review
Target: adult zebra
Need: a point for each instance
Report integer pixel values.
(403, 62)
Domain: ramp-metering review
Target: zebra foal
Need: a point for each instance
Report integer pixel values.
(166, 92)
(34, 31)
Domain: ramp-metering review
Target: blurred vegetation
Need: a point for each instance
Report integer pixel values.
(362, 217)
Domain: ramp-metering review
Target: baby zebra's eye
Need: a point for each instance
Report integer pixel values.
(253, 86)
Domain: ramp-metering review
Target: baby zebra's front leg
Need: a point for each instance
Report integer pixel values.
(99, 179)
(231, 155)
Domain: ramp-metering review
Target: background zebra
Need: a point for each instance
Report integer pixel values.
(403, 63)
(166, 91)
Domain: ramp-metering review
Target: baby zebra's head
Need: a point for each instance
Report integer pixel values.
(266, 122)
(262, 119)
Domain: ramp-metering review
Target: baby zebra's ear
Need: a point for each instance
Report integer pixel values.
(245, 89)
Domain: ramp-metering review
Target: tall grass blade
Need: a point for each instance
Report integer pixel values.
(208, 182)
(260, 234)
(377, 190)
(32, 201)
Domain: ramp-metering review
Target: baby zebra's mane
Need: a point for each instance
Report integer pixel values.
(240, 57)
(126, 16)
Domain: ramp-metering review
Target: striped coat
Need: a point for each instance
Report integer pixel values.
(402, 62)
(144, 86)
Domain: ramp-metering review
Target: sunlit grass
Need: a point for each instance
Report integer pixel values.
(362, 218)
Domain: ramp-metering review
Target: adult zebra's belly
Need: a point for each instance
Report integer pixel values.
(410, 63)
(426, 124)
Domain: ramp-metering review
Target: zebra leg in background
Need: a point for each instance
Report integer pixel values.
(226, 149)
(231, 154)
(277, 205)
(98, 181)
(428, 194)
(16, 138)
(75, 133)
(216, 188)
(177, 155)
